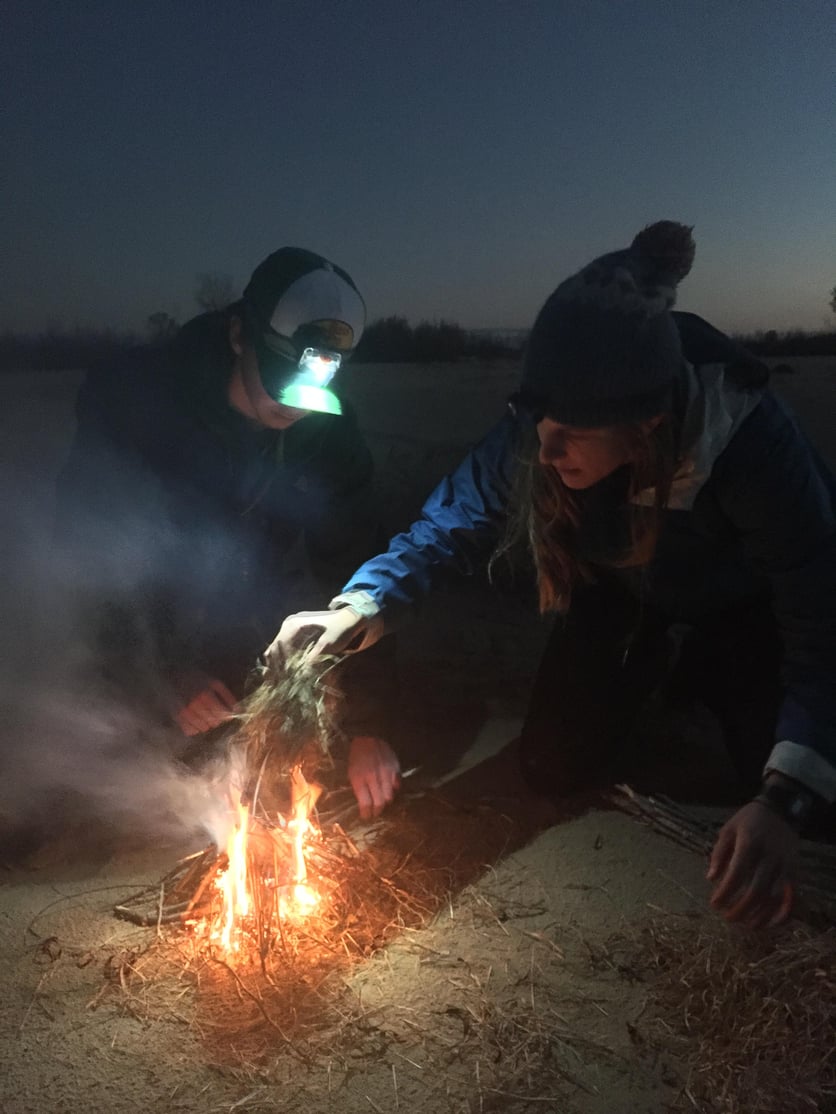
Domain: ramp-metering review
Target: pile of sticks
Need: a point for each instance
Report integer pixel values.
(817, 861)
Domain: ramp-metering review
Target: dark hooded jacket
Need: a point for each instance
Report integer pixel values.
(190, 531)
(752, 516)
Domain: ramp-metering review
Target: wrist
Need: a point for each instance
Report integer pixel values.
(789, 799)
(361, 603)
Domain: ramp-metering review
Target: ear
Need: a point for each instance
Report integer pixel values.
(236, 335)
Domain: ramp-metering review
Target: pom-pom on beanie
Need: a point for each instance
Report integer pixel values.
(604, 348)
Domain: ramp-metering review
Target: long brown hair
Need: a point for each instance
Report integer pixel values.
(546, 517)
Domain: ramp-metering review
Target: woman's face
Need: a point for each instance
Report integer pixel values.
(582, 457)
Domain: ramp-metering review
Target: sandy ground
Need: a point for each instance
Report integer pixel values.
(523, 992)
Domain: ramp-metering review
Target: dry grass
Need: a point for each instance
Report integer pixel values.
(753, 1016)
(293, 987)
(289, 719)
(296, 997)
(499, 1042)
(750, 1021)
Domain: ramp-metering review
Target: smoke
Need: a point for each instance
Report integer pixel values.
(65, 762)
(71, 750)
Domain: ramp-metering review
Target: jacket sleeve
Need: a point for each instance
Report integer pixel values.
(459, 526)
(780, 500)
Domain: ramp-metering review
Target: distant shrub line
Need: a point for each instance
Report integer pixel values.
(792, 342)
(387, 340)
(56, 349)
(394, 340)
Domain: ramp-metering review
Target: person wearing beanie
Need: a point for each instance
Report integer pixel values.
(211, 482)
(668, 501)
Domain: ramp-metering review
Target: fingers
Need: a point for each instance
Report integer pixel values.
(211, 707)
(721, 854)
(733, 861)
(315, 633)
(752, 890)
(374, 790)
(754, 904)
(227, 697)
(297, 632)
(754, 863)
(365, 797)
(785, 908)
(374, 773)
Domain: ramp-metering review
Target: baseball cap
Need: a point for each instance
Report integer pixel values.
(303, 315)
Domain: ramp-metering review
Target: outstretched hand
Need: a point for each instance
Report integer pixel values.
(213, 705)
(754, 866)
(316, 633)
(374, 773)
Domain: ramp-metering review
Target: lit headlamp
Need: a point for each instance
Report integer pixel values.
(307, 387)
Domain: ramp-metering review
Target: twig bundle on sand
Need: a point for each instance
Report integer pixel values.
(817, 861)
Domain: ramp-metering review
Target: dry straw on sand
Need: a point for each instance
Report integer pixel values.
(752, 1016)
(749, 1020)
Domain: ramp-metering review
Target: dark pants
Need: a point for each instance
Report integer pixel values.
(608, 656)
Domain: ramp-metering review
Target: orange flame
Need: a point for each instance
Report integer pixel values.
(244, 871)
(303, 797)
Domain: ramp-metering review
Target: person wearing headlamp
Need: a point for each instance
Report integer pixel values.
(210, 484)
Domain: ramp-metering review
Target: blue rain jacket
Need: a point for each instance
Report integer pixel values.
(752, 514)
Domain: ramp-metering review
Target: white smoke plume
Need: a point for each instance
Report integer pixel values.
(67, 753)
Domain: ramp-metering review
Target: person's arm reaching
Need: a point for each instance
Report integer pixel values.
(780, 501)
(457, 530)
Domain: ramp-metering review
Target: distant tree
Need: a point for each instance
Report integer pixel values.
(833, 299)
(214, 290)
(387, 340)
(161, 327)
(439, 341)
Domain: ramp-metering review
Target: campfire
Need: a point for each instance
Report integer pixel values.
(263, 878)
(283, 899)
(268, 868)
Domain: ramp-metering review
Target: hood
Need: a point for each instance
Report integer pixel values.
(712, 407)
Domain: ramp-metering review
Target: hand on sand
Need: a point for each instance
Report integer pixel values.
(315, 632)
(374, 773)
(211, 706)
(754, 866)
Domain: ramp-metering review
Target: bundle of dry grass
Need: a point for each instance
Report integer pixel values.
(289, 719)
(753, 1016)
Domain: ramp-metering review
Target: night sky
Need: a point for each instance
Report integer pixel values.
(459, 158)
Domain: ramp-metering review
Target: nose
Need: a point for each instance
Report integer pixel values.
(552, 445)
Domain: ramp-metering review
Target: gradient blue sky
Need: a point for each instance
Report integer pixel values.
(459, 158)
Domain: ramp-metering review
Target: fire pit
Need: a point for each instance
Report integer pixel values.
(266, 868)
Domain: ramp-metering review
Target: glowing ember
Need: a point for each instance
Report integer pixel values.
(266, 876)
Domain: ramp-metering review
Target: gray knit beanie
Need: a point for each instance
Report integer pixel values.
(604, 348)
